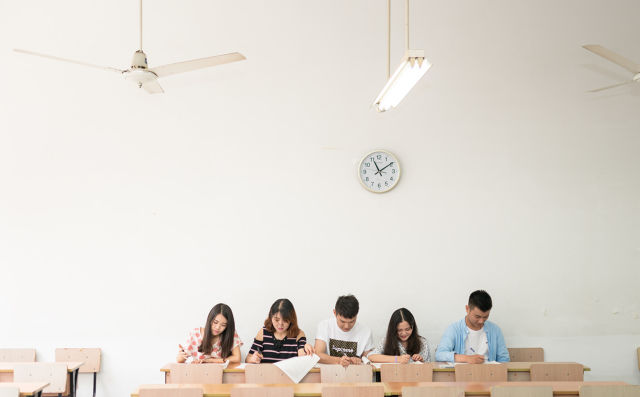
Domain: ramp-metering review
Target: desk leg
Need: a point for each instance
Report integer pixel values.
(95, 377)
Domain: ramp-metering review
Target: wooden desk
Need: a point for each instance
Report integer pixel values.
(516, 371)
(6, 375)
(472, 389)
(231, 374)
(28, 389)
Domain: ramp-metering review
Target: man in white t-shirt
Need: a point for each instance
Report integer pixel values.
(340, 339)
(473, 339)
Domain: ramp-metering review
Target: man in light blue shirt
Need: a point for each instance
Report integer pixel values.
(473, 339)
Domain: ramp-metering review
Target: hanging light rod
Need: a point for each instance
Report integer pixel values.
(412, 67)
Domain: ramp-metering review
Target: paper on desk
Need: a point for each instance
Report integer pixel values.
(297, 367)
(241, 366)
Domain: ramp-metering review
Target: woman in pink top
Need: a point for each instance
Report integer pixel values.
(217, 342)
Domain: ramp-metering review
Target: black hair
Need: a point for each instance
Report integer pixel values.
(481, 300)
(347, 306)
(414, 343)
(226, 337)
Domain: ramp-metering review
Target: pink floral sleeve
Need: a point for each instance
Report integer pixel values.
(193, 342)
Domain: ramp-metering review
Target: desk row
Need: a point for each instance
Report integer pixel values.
(415, 389)
(429, 372)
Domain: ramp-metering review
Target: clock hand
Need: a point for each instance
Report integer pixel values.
(384, 167)
(378, 168)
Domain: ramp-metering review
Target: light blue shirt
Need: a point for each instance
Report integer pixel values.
(452, 342)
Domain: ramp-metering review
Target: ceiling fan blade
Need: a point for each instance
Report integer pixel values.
(153, 87)
(612, 86)
(613, 57)
(194, 64)
(68, 60)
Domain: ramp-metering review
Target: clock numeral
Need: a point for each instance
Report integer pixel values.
(379, 156)
(367, 164)
(371, 158)
(391, 178)
(379, 186)
(367, 179)
(386, 183)
(364, 172)
(393, 170)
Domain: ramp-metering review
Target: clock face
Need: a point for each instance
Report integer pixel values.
(379, 171)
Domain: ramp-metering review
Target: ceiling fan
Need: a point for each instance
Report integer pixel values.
(147, 78)
(618, 60)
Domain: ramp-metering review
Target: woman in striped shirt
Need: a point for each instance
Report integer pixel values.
(280, 338)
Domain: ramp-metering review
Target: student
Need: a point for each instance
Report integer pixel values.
(216, 342)
(402, 344)
(346, 341)
(473, 339)
(280, 338)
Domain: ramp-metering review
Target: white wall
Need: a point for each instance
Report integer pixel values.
(124, 217)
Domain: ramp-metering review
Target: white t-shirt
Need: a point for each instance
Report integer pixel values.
(476, 342)
(340, 343)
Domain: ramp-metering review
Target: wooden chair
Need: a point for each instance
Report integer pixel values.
(9, 391)
(89, 356)
(169, 391)
(17, 355)
(53, 373)
(428, 391)
(553, 372)
(610, 391)
(362, 390)
(351, 374)
(526, 354)
(195, 373)
(406, 372)
(262, 391)
(481, 373)
(522, 391)
(265, 373)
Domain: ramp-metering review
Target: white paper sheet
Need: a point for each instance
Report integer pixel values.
(297, 367)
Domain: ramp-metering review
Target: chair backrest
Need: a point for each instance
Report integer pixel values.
(53, 373)
(351, 374)
(481, 373)
(526, 354)
(89, 356)
(169, 391)
(17, 355)
(261, 391)
(554, 372)
(435, 391)
(265, 373)
(522, 391)
(372, 390)
(9, 391)
(195, 373)
(610, 391)
(406, 372)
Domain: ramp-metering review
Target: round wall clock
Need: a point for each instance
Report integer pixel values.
(379, 171)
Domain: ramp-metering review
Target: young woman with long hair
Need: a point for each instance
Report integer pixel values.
(402, 344)
(280, 338)
(216, 342)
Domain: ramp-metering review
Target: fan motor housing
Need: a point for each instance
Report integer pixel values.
(139, 60)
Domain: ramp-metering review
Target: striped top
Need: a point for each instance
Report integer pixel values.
(274, 350)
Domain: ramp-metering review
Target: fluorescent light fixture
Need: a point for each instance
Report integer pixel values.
(413, 66)
(411, 69)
